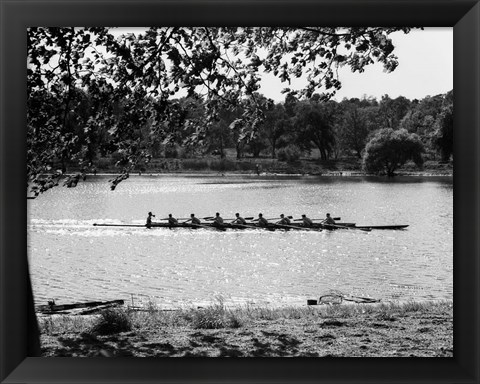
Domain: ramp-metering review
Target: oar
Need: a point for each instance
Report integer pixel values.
(218, 228)
(119, 225)
(299, 228)
(245, 218)
(213, 218)
(275, 218)
(187, 218)
(254, 226)
(197, 225)
(335, 218)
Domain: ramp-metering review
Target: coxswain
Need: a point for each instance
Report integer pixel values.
(171, 220)
(239, 219)
(262, 222)
(284, 220)
(193, 219)
(306, 221)
(149, 219)
(329, 220)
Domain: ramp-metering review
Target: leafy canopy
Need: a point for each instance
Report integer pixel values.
(142, 73)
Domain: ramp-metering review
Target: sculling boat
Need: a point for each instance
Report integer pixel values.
(271, 226)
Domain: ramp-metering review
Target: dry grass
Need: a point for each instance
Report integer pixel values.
(387, 329)
(218, 315)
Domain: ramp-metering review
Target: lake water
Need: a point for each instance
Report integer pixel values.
(71, 260)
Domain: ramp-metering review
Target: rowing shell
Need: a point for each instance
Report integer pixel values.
(271, 227)
(221, 227)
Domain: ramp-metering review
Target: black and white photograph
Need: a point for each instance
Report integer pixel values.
(241, 191)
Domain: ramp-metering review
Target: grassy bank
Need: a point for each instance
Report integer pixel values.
(310, 165)
(408, 329)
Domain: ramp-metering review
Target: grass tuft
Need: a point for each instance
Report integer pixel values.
(216, 316)
(111, 321)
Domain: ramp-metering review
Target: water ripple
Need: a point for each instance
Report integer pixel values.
(71, 260)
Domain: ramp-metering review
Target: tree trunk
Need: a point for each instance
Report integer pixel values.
(323, 154)
(222, 152)
(239, 148)
(390, 170)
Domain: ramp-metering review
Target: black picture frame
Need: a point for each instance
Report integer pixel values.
(17, 326)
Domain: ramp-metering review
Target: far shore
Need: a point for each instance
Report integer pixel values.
(412, 329)
(240, 173)
(211, 165)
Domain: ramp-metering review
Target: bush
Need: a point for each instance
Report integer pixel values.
(171, 152)
(390, 149)
(112, 320)
(104, 163)
(290, 153)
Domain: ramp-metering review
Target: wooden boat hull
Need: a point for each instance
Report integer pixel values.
(51, 308)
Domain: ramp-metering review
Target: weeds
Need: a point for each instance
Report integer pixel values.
(216, 316)
(290, 153)
(63, 324)
(112, 320)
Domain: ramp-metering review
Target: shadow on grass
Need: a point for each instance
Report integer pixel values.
(89, 345)
(198, 344)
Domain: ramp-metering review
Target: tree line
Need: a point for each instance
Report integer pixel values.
(289, 129)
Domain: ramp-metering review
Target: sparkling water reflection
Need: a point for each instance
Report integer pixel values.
(71, 260)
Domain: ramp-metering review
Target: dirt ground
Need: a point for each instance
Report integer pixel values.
(415, 334)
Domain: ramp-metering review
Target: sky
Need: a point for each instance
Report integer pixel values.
(425, 69)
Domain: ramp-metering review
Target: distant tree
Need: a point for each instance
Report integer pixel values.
(238, 137)
(422, 114)
(314, 125)
(392, 111)
(221, 136)
(276, 124)
(415, 121)
(354, 127)
(444, 134)
(256, 146)
(449, 97)
(389, 149)
(290, 104)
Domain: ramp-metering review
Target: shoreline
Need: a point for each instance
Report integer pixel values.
(268, 174)
(211, 165)
(411, 329)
